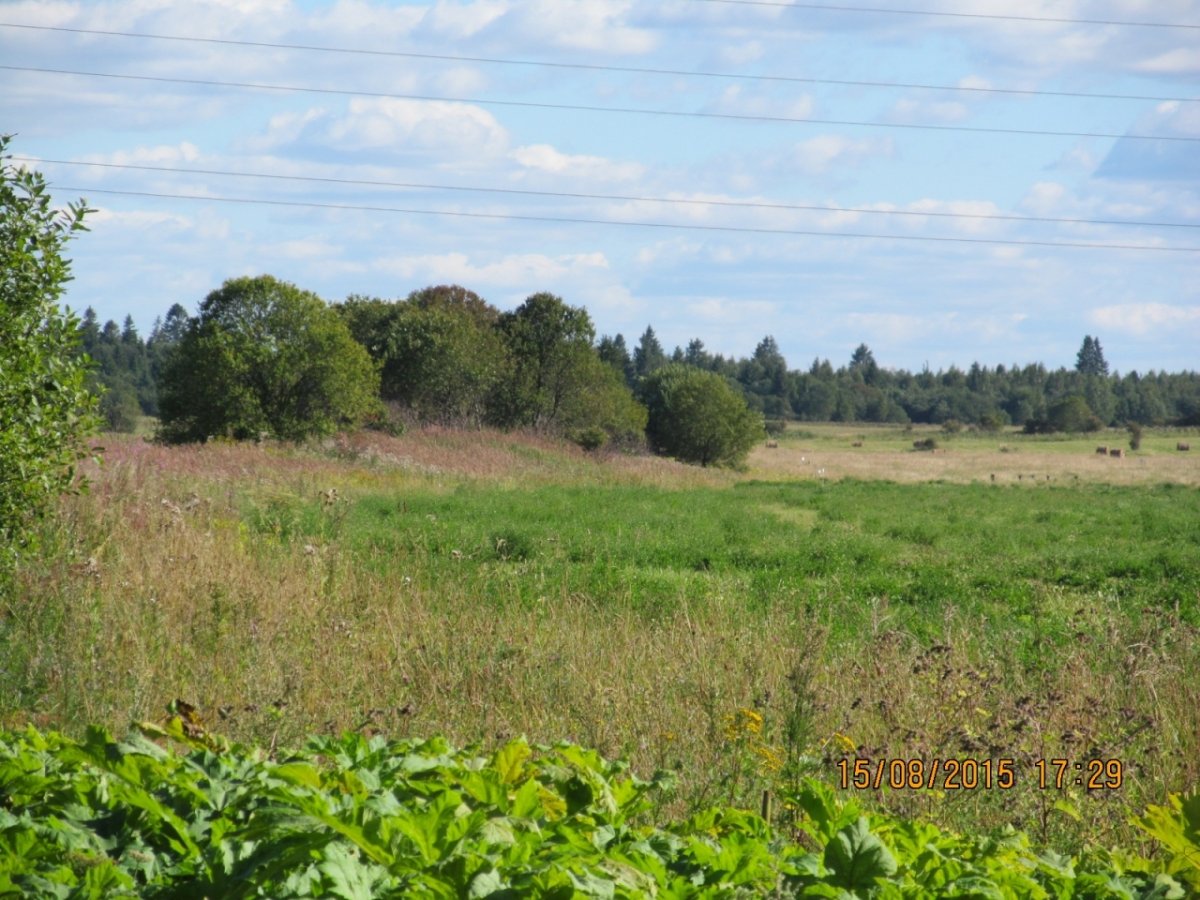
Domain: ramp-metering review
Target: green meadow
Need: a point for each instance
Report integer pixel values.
(740, 631)
(1018, 560)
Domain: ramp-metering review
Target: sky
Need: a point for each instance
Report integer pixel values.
(917, 175)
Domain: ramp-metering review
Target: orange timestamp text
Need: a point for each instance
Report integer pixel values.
(864, 773)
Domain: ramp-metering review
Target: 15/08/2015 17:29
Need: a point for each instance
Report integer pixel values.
(863, 773)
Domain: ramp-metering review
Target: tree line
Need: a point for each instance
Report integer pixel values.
(263, 358)
(443, 355)
(861, 390)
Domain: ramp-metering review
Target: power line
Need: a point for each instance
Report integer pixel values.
(596, 67)
(576, 107)
(955, 15)
(573, 220)
(740, 204)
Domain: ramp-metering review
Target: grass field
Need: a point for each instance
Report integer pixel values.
(863, 601)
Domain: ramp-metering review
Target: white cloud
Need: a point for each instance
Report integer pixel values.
(162, 155)
(738, 100)
(434, 128)
(1178, 61)
(375, 124)
(740, 312)
(974, 82)
(928, 330)
(461, 80)
(524, 271)
(820, 154)
(974, 215)
(597, 26)
(303, 249)
(458, 21)
(107, 220)
(1145, 318)
(545, 158)
(742, 54)
(363, 18)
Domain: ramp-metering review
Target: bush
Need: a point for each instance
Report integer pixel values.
(925, 444)
(993, 421)
(120, 409)
(45, 406)
(591, 438)
(1135, 435)
(696, 416)
(1072, 414)
(775, 427)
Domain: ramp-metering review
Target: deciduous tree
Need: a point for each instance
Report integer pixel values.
(265, 357)
(549, 343)
(45, 407)
(440, 355)
(696, 416)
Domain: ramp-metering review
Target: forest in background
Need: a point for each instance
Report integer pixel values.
(429, 367)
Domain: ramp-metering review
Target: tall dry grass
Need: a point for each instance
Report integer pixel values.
(160, 591)
(886, 453)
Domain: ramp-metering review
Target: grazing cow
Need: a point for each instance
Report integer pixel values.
(772, 444)
(856, 444)
(1183, 447)
(1117, 452)
(1103, 451)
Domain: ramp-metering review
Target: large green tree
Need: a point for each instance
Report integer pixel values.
(45, 407)
(440, 355)
(265, 357)
(556, 379)
(601, 400)
(549, 344)
(696, 416)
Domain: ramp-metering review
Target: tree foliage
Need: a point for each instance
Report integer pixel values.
(648, 355)
(45, 407)
(696, 416)
(264, 357)
(602, 402)
(449, 357)
(440, 355)
(613, 351)
(549, 346)
(1090, 360)
(1071, 414)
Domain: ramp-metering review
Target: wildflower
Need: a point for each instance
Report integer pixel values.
(744, 722)
(772, 758)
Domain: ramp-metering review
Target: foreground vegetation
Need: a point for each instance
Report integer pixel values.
(352, 818)
(484, 586)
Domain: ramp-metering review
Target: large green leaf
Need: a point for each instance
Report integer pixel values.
(858, 858)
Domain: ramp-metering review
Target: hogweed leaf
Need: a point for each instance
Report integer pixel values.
(858, 858)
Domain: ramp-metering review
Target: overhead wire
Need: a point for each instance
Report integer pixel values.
(641, 111)
(577, 220)
(1004, 17)
(579, 107)
(596, 67)
(629, 198)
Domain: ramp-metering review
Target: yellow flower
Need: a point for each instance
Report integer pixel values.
(772, 759)
(752, 722)
(844, 742)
